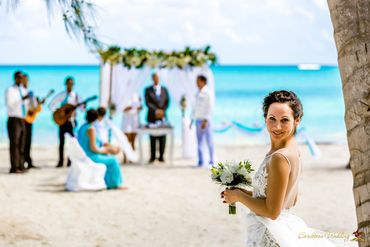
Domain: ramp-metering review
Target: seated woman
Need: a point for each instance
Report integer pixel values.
(102, 131)
(98, 153)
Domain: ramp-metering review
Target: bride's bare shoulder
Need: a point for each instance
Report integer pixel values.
(291, 154)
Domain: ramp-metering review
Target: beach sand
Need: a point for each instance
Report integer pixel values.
(165, 205)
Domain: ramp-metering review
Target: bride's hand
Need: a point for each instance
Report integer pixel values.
(249, 193)
(231, 195)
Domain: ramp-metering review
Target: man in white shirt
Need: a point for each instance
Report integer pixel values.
(15, 97)
(202, 116)
(61, 99)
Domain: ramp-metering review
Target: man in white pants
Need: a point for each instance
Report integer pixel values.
(202, 115)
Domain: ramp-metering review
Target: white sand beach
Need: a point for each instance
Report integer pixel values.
(165, 205)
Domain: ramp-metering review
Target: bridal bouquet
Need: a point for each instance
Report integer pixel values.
(233, 175)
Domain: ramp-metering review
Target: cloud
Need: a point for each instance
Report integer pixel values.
(321, 4)
(282, 7)
(267, 30)
(306, 13)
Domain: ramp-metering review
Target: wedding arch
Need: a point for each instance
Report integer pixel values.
(124, 72)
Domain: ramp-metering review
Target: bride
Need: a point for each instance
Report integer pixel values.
(275, 184)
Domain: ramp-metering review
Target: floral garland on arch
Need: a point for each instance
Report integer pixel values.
(138, 58)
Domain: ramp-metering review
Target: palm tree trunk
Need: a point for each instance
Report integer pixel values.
(101, 68)
(351, 22)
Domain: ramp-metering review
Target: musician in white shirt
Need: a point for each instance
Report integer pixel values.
(15, 97)
(202, 115)
(66, 97)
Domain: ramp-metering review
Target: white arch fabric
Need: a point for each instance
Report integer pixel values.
(104, 84)
(183, 81)
(126, 82)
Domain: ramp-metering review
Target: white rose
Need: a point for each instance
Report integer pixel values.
(152, 62)
(171, 62)
(243, 172)
(226, 177)
(233, 167)
(187, 59)
(135, 61)
(214, 177)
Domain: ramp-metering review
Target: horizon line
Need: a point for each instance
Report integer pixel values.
(226, 64)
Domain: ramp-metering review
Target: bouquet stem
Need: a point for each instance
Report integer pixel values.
(232, 208)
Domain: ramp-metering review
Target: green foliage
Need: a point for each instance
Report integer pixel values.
(111, 55)
(247, 165)
(137, 58)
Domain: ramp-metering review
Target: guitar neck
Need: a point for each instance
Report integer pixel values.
(47, 96)
(79, 104)
(85, 102)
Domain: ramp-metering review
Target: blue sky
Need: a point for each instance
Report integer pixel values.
(239, 31)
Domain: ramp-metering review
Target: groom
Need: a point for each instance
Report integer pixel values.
(157, 99)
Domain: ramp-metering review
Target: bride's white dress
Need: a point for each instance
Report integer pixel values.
(287, 230)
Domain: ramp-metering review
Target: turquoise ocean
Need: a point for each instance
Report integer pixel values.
(239, 93)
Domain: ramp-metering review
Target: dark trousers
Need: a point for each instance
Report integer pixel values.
(162, 145)
(27, 148)
(17, 140)
(65, 128)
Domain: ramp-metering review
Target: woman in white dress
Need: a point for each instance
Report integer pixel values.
(130, 119)
(275, 184)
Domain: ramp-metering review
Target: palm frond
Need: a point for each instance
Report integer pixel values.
(10, 4)
(79, 17)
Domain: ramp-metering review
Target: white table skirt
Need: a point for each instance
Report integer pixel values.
(156, 132)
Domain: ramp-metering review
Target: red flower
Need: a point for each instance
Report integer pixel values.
(357, 233)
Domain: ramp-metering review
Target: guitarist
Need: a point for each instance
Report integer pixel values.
(15, 104)
(66, 97)
(30, 103)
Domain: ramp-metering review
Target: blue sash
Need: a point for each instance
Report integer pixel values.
(23, 106)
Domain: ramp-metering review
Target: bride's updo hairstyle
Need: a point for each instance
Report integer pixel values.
(91, 115)
(284, 96)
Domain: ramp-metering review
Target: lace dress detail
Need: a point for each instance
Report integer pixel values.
(259, 235)
(268, 240)
(259, 182)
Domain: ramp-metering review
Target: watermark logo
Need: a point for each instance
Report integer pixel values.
(355, 236)
(358, 236)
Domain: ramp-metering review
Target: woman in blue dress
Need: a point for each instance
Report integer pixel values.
(98, 152)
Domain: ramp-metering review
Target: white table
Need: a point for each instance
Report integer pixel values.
(168, 131)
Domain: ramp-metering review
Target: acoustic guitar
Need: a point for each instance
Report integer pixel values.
(32, 113)
(64, 113)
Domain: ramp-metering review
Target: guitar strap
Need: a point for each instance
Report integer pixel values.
(23, 105)
(74, 122)
(65, 101)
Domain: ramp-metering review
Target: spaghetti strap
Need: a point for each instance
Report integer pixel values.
(277, 152)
